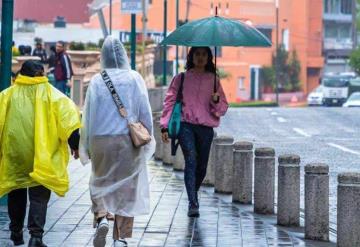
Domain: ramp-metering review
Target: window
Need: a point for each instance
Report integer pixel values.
(218, 51)
(286, 38)
(331, 31)
(346, 6)
(267, 32)
(332, 6)
(241, 83)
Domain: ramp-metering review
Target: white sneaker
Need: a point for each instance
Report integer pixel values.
(101, 232)
(120, 243)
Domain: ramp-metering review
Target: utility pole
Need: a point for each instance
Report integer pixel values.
(276, 52)
(144, 21)
(177, 47)
(354, 24)
(110, 17)
(6, 43)
(133, 41)
(165, 47)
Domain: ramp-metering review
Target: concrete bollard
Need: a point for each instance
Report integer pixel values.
(179, 161)
(348, 210)
(223, 164)
(288, 205)
(243, 172)
(167, 158)
(157, 135)
(209, 180)
(264, 184)
(317, 202)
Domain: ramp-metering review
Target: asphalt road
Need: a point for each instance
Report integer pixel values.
(326, 135)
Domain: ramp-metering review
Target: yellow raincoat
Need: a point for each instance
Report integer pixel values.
(36, 121)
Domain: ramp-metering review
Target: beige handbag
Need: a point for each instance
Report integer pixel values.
(139, 134)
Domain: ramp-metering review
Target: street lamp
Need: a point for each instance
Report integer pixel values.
(276, 51)
(6, 42)
(110, 17)
(177, 47)
(164, 47)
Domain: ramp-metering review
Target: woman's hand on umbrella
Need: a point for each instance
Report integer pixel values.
(165, 137)
(216, 97)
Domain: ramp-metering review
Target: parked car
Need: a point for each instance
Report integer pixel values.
(353, 100)
(316, 96)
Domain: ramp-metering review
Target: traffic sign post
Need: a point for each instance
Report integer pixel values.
(132, 7)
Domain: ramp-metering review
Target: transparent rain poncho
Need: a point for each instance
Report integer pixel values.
(119, 181)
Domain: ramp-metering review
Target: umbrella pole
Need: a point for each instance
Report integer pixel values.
(215, 71)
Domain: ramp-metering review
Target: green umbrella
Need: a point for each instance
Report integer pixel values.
(217, 31)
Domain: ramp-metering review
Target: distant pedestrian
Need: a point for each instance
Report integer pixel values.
(52, 59)
(25, 50)
(119, 181)
(37, 123)
(201, 112)
(14, 49)
(40, 52)
(63, 69)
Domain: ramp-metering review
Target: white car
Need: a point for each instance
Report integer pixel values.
(316, 96)
(353, 100)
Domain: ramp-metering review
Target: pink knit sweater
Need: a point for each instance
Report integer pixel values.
(198, 107)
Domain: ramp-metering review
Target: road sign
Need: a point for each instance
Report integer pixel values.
(131, 6)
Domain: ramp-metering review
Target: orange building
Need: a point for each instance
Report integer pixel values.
(300, 28)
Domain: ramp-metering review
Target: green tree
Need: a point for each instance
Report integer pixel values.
(289, 68)
(268, 76)
(355, 60)
(294, 71)
(282, 66)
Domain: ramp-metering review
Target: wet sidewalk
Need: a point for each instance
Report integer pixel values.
(222, 223)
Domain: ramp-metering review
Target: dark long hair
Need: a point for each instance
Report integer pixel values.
(209, 67)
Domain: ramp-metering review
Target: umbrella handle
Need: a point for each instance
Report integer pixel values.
(215, 98)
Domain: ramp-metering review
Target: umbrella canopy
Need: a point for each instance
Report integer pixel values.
(217, 31)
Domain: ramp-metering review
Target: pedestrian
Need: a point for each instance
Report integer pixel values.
(52, 59)
(37, 123)
(40, 52)
(119, 181)
(201, 112)
(63, 70)
(15, 51)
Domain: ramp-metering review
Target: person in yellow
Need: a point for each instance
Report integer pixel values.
(37, 122)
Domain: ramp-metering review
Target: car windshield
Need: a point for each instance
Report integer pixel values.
(355, 96)
(319, 89)
(335, 82)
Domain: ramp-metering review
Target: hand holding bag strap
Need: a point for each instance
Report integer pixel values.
(114, 94)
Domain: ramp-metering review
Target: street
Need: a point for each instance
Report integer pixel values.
(326, 135)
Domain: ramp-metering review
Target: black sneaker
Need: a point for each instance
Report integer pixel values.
(17, 238)
(193, 210)
(36, 242)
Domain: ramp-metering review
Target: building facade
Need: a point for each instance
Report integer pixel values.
(338, 37)
(300, 29)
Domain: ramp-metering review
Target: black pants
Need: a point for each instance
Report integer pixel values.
(17, 199)
(195, 142)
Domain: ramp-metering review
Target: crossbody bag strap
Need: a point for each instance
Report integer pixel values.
(179, 96)
(114, 94)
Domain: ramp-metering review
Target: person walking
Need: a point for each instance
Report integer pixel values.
(52, 59)
(201, 112)
(63, 69)
(40, 52)
(119, 180)
(37, 123)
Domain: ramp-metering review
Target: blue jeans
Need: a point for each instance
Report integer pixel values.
(195, 142)
(61, 86)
